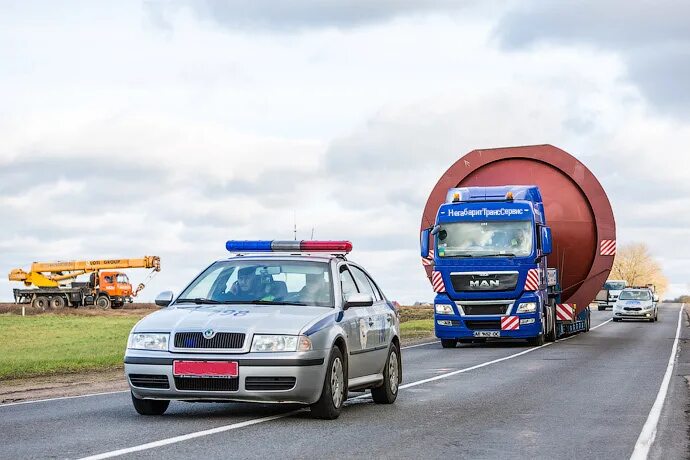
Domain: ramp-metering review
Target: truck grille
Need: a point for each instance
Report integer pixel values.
(206, 384)
(483, 282)
(485, 309)
(482, 325)
(230, 340)
(149, 381)
(269, 383)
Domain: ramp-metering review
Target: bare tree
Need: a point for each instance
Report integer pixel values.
(635, 264)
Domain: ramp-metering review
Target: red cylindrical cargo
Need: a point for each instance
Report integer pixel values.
(576, 206)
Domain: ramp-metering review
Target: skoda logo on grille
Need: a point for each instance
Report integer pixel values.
(209, 333)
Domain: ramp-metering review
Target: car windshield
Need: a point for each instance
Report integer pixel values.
(635, 295)
(481, 239)
(614, 285)
(262, 282)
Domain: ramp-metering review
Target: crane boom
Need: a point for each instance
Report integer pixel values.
(51, 274)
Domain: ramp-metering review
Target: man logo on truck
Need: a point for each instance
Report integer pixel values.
(484, 283)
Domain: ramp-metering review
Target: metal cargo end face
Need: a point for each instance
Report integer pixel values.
(576, 206)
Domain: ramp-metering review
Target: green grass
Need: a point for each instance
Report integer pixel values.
(50, 344)
(417, 328)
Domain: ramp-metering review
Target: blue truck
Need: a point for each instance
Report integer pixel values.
(490, 273)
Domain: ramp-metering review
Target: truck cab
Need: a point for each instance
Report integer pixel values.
(116, 285)
(489, 247)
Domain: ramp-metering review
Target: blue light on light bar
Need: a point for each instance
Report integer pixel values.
(248, 246)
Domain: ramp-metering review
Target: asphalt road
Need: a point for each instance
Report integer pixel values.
(585, 397)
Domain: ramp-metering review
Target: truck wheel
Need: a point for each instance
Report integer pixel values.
(117, 305)
(551, 334)
(388, 391)
(448, 343)
(103, 302)
(333, 392)
(150, 406)
(57, 302)
(40, 303)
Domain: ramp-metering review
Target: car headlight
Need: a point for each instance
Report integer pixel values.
(444, 309)
(148, 341)
(269, 343)
(527, 307)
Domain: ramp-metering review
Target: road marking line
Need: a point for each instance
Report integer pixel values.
(648, 433)
(185, 437)
(62, 397)
(234, 426)
(420, 345)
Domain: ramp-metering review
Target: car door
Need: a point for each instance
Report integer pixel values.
(353, 319)
(377, 323)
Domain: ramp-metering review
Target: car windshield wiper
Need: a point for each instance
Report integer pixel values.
(276, 302)
(200, 300)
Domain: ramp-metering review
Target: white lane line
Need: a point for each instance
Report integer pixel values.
(646, 438)
(62, 397)
(420, 344)
(185, 437)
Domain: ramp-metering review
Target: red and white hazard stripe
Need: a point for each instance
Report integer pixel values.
(532, 283)
(510, 323)
(565, 312)
(437, 282)
(607, 248)
(428, 260)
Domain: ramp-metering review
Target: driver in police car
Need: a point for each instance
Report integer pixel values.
(245, 288)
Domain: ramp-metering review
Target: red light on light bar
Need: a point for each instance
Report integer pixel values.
(324, 246)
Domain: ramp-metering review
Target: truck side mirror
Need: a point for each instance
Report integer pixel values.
(424, 242)
(164, 299)
(546, 241)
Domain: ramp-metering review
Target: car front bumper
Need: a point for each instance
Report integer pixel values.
(307, 369)
(642, 314)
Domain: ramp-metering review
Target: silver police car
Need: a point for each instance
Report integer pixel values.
(636, 303)
(279, 322)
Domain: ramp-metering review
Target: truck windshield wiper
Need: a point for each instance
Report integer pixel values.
(200, 300)
(500, 255)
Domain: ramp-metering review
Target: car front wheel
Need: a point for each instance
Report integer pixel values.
(388, 391)
(150, 406)
(333, 392)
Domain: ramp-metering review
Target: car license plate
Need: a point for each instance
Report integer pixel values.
(206, 368)
(487, 333)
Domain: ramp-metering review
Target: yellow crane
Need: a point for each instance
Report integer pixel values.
(105, 288)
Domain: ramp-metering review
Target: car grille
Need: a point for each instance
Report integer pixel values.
(230, 340)
(485, 309)
(632, 309)
(149, 381)
(482, 325)
(269, 383)
(206, 384)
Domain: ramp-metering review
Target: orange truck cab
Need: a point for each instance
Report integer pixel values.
(116, 285)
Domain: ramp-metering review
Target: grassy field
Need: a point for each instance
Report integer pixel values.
(50, 343)
(74, 340)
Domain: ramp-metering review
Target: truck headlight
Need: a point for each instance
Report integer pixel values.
(269, 343)
(148, 341)
(527, 307)
(444, 309)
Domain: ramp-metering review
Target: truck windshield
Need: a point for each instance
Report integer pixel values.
(262, 282)
(614, 285)
(482, 239)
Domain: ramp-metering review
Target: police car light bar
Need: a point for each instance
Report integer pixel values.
(289, 246)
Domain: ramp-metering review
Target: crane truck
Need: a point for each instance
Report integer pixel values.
(52, 284)
(516, 243)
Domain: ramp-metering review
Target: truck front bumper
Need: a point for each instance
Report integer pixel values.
(472, 327)
(287, 378)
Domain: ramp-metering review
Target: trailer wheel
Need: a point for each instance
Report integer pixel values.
(57, 302)
(588, 321)
(40, 303)
(103, 302)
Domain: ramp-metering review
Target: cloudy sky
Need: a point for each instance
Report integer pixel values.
(167, 128)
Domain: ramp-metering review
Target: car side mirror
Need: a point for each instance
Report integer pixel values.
(164, 299)
(358, 300)
(656, 298)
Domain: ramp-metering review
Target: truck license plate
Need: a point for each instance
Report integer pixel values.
(487, 333)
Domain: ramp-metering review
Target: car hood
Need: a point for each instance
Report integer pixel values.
(250, 319)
